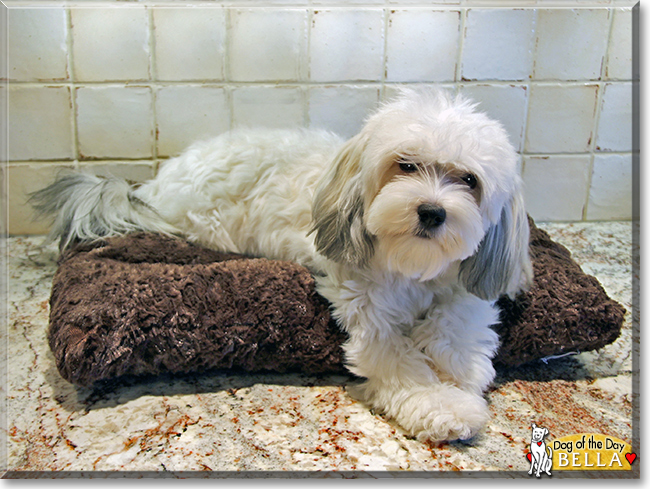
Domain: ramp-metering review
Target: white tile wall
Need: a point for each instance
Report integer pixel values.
(123, 85)
(327, 103)
(561, 118)
(422, 45)
(347, 45)
(110, 44)
(23, 179)
(136, 171)
(273, 107)
(571, 43)
(40, 122)
(498, 44)
(185, 114)
(114, 122)
(37, 40)
(611, 187)
(267, 44)
(619, 60)
(556, 186)
(615, 124)
(189, 44)
(425, 2)
(351, 2)
(505, 103)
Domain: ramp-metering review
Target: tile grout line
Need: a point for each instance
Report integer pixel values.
(153, 75)
(72, 87)
(462, 21)
(140, 159)
(529, 89)
(384, 56)
(304, 84)
(306, 69)
(227, 23)
(600, 94)
(299, 83)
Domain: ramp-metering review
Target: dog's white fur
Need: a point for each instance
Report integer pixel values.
(415, 300)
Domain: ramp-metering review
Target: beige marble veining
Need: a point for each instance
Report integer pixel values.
(262, 425)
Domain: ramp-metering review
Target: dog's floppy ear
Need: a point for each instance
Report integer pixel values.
(502, 263)
(338, 207)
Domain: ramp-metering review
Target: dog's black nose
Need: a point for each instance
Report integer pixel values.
(431, 216)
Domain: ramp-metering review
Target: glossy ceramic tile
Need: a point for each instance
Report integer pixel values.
(339, 3)
(610, 196)
(189, 43)
(265, 3)
(425, 2)
(37, 44)
(556, 187)
(422, 45)
(133, 171)
(105, 81)
(267, 44)
(40, 123)
(505, 103)
(561, 118)
(186, 114)
(392, 90)
(615, 124)
(23, 179)
(498, 44)
(502, 3)
(347, 44)
(571, 43)
(110, 44)
(341, 110)
(268, 107)
(114, 122)
(619, 57)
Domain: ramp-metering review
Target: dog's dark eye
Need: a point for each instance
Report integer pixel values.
(407, 167)
(470, 180)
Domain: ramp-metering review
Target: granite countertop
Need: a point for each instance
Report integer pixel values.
(267, 424)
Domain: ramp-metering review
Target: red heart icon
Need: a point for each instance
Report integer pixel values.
(530, 457)
(631, 457)
(539, 443)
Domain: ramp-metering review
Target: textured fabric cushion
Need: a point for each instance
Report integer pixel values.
(149, 304)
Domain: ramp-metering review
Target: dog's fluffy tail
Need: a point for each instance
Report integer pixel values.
(88, 207)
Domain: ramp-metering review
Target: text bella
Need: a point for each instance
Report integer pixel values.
(588, 452)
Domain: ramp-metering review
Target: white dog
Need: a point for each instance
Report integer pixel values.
(412, 227)
(541, 460)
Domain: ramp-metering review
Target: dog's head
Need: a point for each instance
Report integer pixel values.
(538, 433)
(428, 182)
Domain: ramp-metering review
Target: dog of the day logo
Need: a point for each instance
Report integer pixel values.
(540, 456)
(582, 451)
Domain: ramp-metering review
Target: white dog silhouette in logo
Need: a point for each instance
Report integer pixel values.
(540, 459)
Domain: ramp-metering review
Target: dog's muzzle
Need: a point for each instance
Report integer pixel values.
(431, 216)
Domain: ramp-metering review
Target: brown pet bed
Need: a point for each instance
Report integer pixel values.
(148, 304)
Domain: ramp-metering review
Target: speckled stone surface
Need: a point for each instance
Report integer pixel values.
(264, 425)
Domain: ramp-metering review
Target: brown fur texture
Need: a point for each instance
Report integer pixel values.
(149, 304)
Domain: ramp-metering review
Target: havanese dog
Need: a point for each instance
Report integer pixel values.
(413, 228)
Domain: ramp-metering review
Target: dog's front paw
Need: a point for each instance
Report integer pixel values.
(453, 414)
(434, 413)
